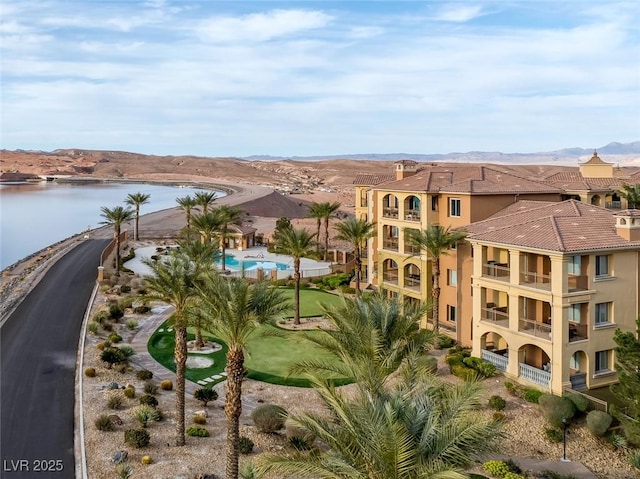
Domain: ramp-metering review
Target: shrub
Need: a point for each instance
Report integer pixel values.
(634, 459)
(445, 342)
(580, 402)
(245, 445)
(497, 402)
(121, 368)
(553, 434)
(464, 372)
(293, 430)
(298, 443)
(90, 372)
(144, 374)
(547, 474)
(532, 395)
(142, 309)
(205, 395)
(137, 437)
(101, 317)
(104, 423)
(336, 280)
(598, 422)
(149, 400)
(125, 288)
(512, 466)
(199, 420)
(144, 414)
(499, 416)
(617, 441)
(347, 289)
(484, 368)
(495, 468)
(127, 350)
(93, 327)
(269, 418)
(428, 363)
(130, 392)
(146, 460)
(114, 401)
(115, 338)
(166, 385)
(556, 408)
(102, 345)
(115, 312)
(131, 325)
(197, 431)
(112, 356)
(150, 388)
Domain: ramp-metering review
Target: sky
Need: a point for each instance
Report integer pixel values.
(305, 78)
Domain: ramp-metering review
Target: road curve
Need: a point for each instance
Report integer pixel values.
(38, 349)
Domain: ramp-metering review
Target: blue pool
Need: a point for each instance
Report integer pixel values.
(249, 264)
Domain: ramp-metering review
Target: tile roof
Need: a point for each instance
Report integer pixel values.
(567, 226)
(371, 180)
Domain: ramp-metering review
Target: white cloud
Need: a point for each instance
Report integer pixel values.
(459, 13)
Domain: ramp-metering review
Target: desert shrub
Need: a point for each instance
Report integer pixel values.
(90, 372)
(150, 388)
(125, 288)
(127, 350)
(144, 374)
(553, 434)
(598, 422)
(463, 372)
(137, 437)
(115, 312)
(130, 392)
(269, 417)
(199, 420)
(142, 309)
(293, 430)
(336, 280)
(144, 414)
(513, 466)
(580, 402)
(298, 443)
(146, 460)
(532, 395)
(445, 342)
(499, 416)
(205, 395)
(456, 355)
(197, 431)
(245, 445)
(112, 356)
(107, 326)
(149, 400)
(555, 408)
(101, 317)
(484, 368)
(513, 475)
(428, 363)
(495, 468)
(93, 327)
(344, 289)
(103, 423)
(497, 402)
(121, 368)
(115, 338)
(102, 345)
(547, 474)
(132, 324)
(634, 459)
(114, 401)
(618, 441)
(166, 385)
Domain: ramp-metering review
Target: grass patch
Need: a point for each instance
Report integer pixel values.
(311, 301)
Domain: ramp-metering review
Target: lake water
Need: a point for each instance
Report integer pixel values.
(36, 215)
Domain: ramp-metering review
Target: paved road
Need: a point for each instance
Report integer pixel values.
(38, 347)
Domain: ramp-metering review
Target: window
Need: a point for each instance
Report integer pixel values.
(602, 265)
(574, 265)
(452, 277)
(454, 207)
(602, 361)
(574, 313)
(574, 362)
(363, 198)
(434, 203)
(451, 313)
(603, 313)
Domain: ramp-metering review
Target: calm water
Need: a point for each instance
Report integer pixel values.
(35, 215)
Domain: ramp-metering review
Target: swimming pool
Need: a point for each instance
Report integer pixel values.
(231, 262)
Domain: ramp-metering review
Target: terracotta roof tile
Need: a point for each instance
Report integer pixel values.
(371, 180)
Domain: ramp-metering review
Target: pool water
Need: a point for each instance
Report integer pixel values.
(232, 263)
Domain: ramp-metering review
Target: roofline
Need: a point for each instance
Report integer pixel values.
(531, 249)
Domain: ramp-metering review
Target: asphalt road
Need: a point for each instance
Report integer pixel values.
(38, 348)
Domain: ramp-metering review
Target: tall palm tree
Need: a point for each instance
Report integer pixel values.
(412, 429)
(356, 232)
(436, 241)
(137, 200)
(632, 194)
(174, 281)
(227, 215)
(296, 242)
(187, 203)
(316, 211)
(372, 336)
(328, 211)
(204, 199)
(207, 225)
(116, 216)
(234, 308)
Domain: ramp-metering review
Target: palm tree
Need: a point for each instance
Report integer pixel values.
(328, 210)
(174, 282)
(357, 232)
(372, 336)
(632, 194)
(227, 215)
(234, 308)
(187, 203)
(207, 224)
(116, 216)
(298, 243)
(137, 200)
(316, 211)
(204, 199)
(436, 241)
(413, 429)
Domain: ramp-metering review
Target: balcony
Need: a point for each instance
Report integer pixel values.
(535, 280)
(412, 215)
(578, 282)
(495, 270)
(412, 281)
(535, 375)
(390, 244)
(578, 332)
(389, 212)
(498, 360)
(410, 249)
(390, 276)
(613, 205)
(535, 328)
(496, 315)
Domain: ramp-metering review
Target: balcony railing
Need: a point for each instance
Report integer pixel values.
(390, 276)
(613, 205)
(535, 279)
(410, 249)
(498, 360)
(578, 332)
(578, 282)
(412, 282)
(499, 316)
(535, 328)
(390, 212)
(412, 215)
(496, 270)
(390, 244)
(535, 375)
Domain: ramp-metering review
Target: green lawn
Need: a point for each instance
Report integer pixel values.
(311, 301)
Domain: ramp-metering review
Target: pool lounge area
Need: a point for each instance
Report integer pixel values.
(252, 259)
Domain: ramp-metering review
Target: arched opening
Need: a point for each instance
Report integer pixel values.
(578, 367)
(412, 279)
(390, 271)
(495, 350)
(596, 200)
(412, 208)
(534, 365)
(390, 206)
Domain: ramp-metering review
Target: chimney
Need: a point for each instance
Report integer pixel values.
(628, 224)
(405, 168)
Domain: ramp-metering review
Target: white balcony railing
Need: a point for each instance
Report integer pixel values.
(535, 375)
(499, 361)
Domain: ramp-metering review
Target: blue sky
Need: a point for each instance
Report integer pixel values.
(306, 78)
